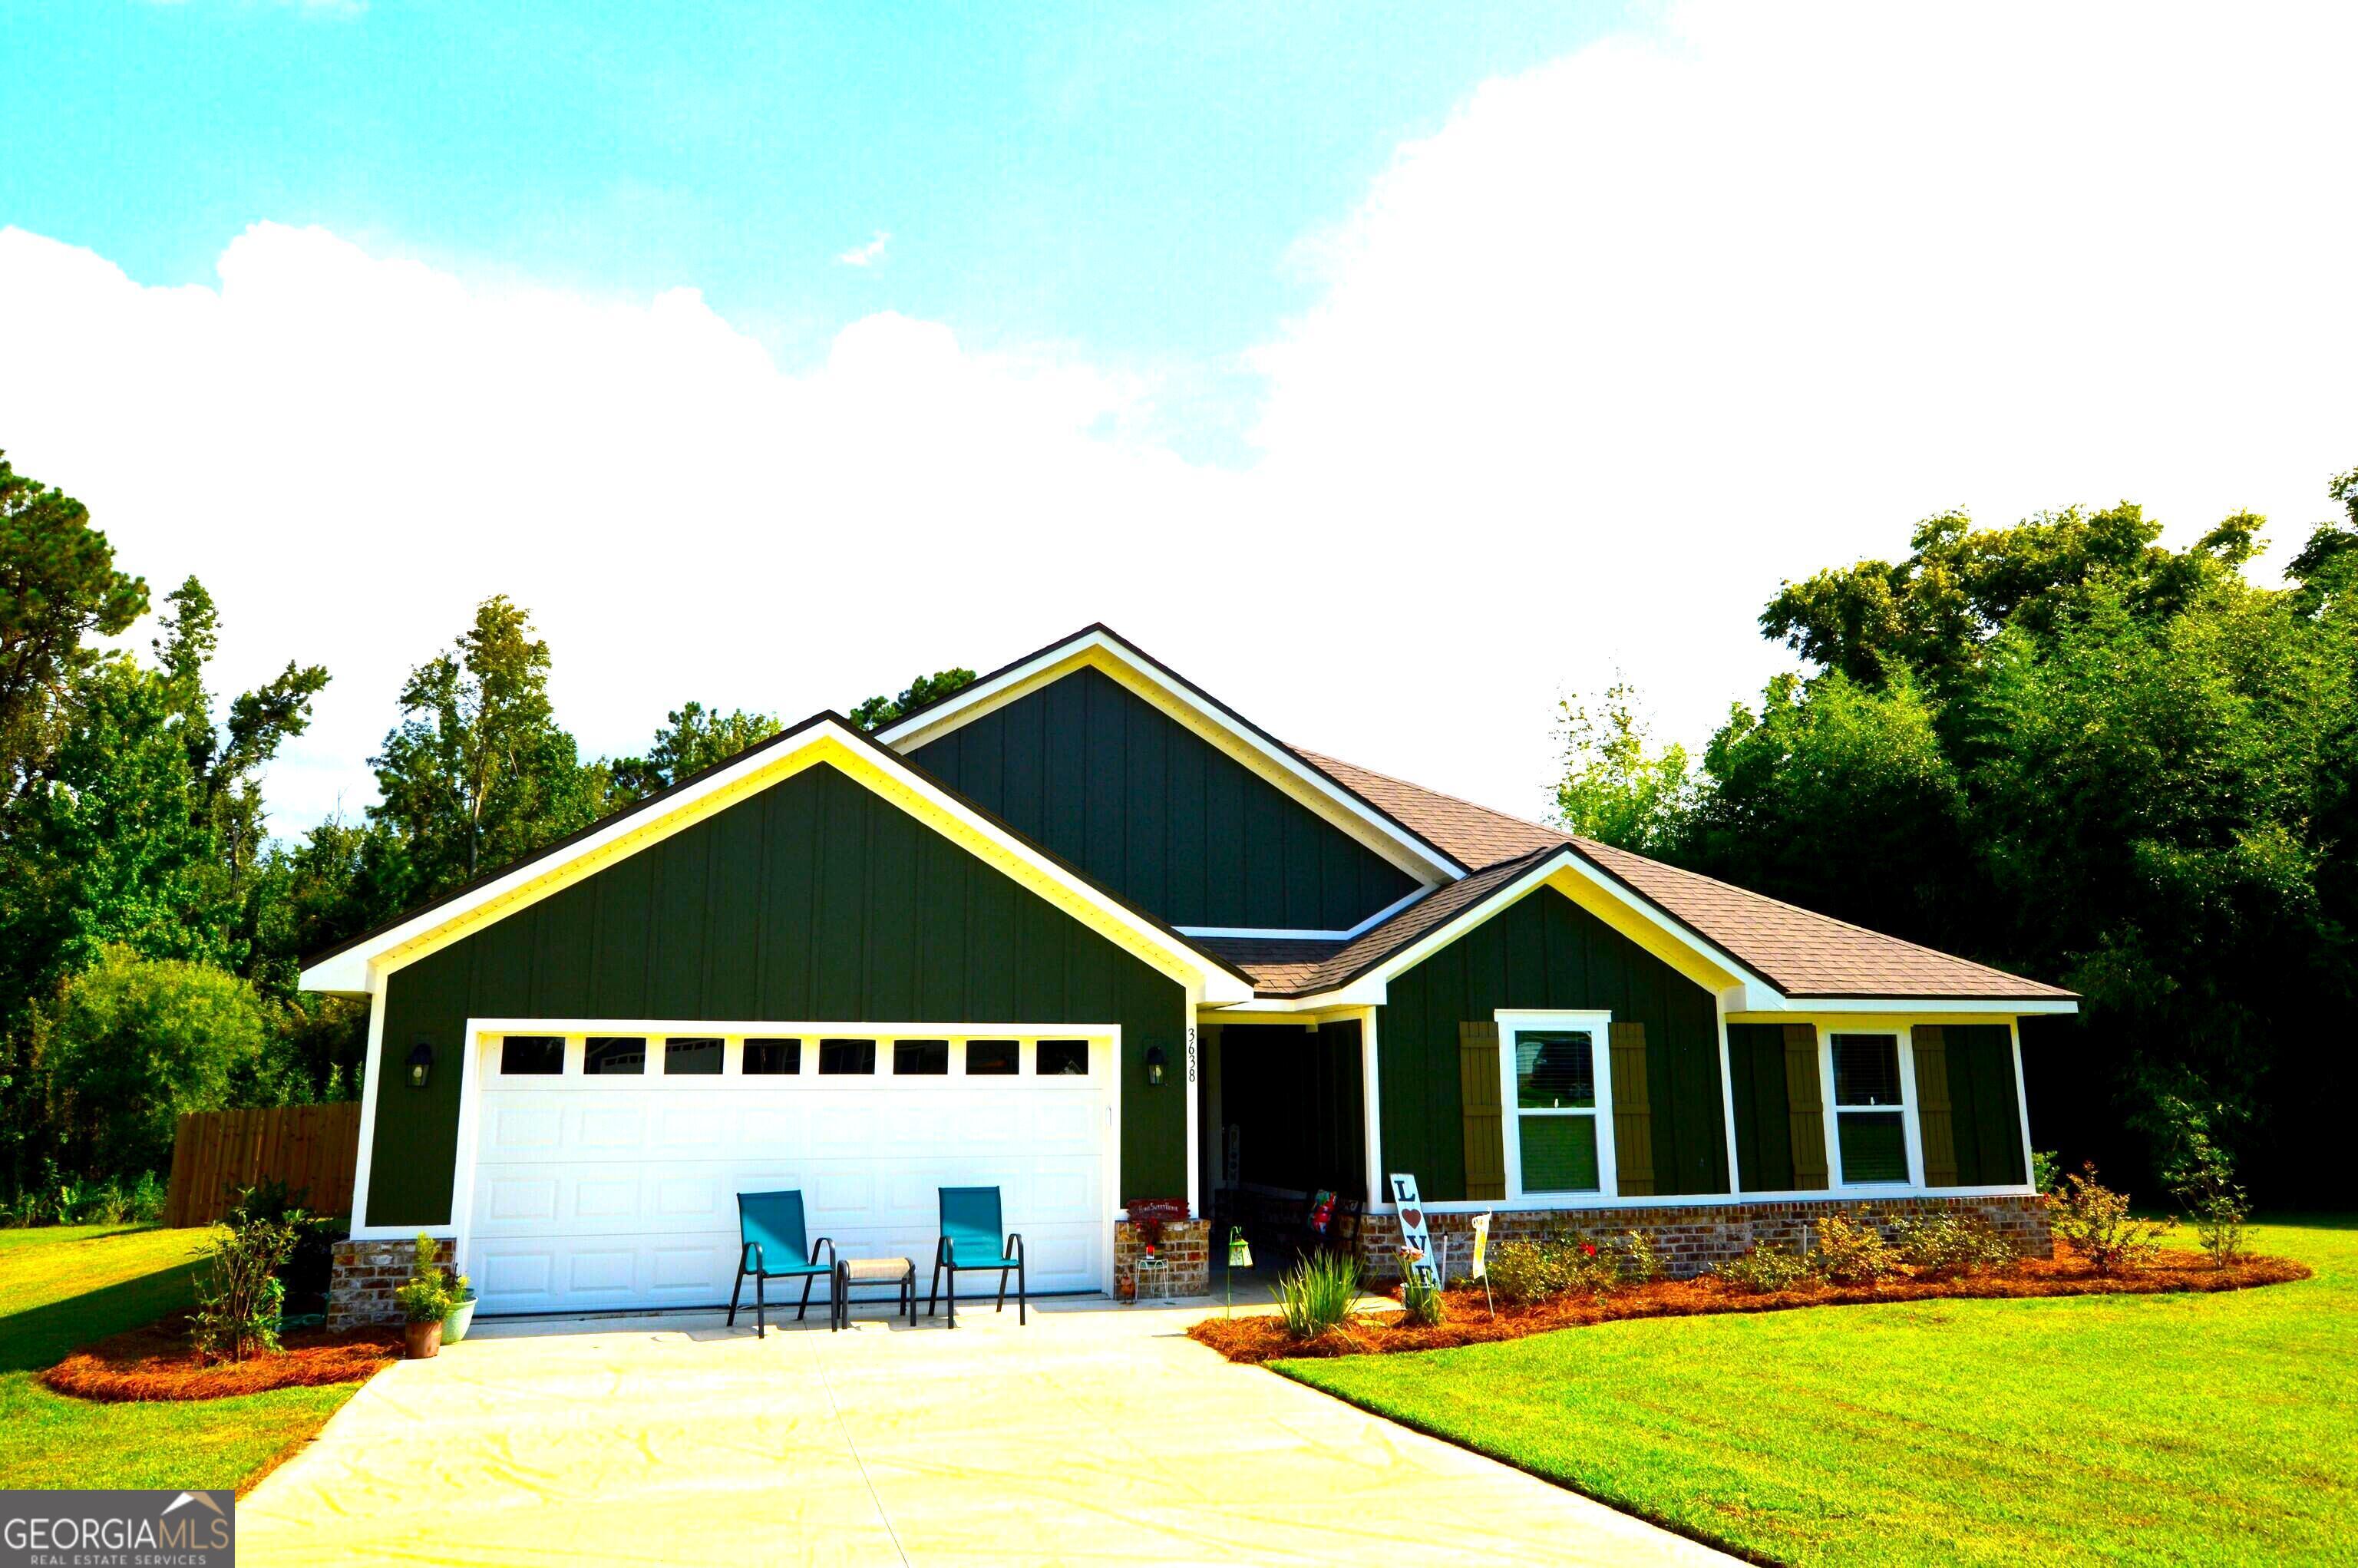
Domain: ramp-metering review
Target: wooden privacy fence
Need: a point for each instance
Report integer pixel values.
(311, 1148)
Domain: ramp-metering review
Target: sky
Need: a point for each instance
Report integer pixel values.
(1391, 370)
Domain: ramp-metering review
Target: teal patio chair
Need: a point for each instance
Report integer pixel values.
(972, 1240)
(770, 1226)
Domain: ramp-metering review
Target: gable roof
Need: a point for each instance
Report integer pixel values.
(1805, 955)
(1331, 797)
(344, 968)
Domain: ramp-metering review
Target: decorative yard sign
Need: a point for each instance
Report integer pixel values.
(1481, 1251)
(1418, 1260)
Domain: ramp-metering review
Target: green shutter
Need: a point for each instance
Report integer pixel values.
(1984, 1111)
(1933, 1114)
(1633, 1112)
(1805, 1107)
(1478, 1090)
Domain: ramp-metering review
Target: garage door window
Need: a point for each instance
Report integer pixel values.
(614, 1054)
(847, 1057)
(990, 1058)
(921, 1058)
(773, 1058)
(1063, 1058)
(532, 1055)
(698, 1057)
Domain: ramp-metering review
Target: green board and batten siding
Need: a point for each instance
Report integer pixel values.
(1968, 1111)
(815, 901)
(1546, 952)
(1149, 810)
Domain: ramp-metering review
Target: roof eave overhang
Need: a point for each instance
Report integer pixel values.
(357, 968)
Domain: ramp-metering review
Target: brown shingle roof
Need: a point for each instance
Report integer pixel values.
(1801, 953)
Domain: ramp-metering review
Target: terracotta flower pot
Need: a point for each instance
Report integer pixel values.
(423, 1339)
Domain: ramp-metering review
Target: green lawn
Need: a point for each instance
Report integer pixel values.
(66, 1287)
(2132, 1429)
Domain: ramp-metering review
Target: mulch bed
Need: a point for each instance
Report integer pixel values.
(155, 1363)
(1262, 1337)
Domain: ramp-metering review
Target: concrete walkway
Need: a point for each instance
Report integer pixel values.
(1100, 1433)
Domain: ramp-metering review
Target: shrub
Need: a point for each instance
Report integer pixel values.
(1949, 1242)
(2096, 1222)
(240, 1297)
(1852, 1251)
(1524, 1272)
(1519, 1271)
(1766, 1267)
(148, 1195)
(1316, 1293)
(1638, 1262)
(2047, 1173)
(1423, 1302)
(424, 1297)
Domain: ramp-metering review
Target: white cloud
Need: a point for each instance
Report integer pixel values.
(867, 255)
(1630, 338)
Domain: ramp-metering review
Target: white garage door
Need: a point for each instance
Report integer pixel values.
(608, 1166)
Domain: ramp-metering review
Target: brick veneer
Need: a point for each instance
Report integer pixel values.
(1691, 1237)
(365, 1274)
(1185, 1247)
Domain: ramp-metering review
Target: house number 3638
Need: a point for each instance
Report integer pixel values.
(1191, 1053)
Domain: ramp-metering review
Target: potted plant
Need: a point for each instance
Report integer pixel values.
(425, 1302)
(463, 1308)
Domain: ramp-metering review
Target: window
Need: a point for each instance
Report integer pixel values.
(1869, 1120)
(1555, 1109)
(532, 1055)
(773, 1058)
(921, 1058)
(1062, 1058)
(989, 1058)
(614, 1054)
(846, 1057)
(691, 1058)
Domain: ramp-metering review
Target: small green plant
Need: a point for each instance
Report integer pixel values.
(2096, 1222)
(1423, 1302)
(425, 1296)
(1762, 1271)
(1316, 1293)
(1852, 1251)
(239, 1296)
(1949, 1243)
(1638, 1262)
(2047, 1173)
(147, 1196)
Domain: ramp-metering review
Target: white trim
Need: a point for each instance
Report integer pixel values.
(1371, 1102)
(1903, 1045)
(1278, 934)
(1727, 1091)
(1190, 1058)
(1547, 1202)
(1795, 1008)
(2021, 1101)
(349, 971)
(1597, 1024)
(1426, 861)
(373, 1069)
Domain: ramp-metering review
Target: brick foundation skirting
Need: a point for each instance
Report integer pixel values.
(365, 1274)
(1691, 1237)
(1185, 1248)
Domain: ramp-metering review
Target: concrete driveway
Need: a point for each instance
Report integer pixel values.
(1098, 1434)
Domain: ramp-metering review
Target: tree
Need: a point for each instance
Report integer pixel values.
(58, 589)
(692, 739)
(1617, 787)
(879, 710)
(134, 1042)
(478, 772)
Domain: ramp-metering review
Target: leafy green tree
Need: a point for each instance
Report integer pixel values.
(1618, 786)
(692, 739)
(59, 589)
(879, 710)
(478, 772)
(134, 1042)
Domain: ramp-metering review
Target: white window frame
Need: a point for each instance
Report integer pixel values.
(1599, 1026)
(1904, 1045)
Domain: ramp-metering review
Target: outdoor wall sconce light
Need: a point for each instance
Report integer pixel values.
(421, 1063)
(1155, 1061)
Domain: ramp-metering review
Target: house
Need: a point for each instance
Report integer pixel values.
(1083, 931)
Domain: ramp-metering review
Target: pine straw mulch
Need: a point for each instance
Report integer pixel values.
(157, 1363)
(1262, 1337)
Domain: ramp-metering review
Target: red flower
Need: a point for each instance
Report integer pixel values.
(1588, 1248)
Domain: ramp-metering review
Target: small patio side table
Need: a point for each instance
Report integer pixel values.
(850, 1271)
